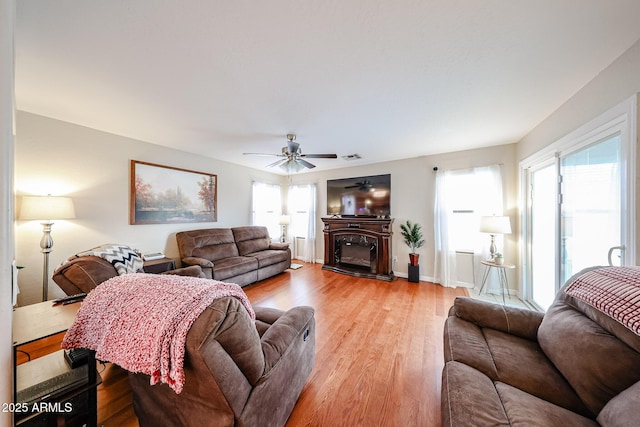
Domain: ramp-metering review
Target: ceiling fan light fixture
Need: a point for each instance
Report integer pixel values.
(291, 158)
(292, 166)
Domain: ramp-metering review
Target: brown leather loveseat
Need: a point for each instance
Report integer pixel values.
(576, 365)
(240, 255)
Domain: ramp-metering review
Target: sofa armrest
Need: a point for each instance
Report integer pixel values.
(517, 321)
(191, 271)
(283, 334)
(279, 246)
(191, 260)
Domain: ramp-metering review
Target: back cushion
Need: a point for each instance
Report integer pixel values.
(595, 362)
(251, 239)
(83, 274)
(211, 244)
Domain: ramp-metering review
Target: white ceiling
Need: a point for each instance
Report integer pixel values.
(387, 79)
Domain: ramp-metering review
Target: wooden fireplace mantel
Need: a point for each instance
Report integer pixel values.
(376, 232)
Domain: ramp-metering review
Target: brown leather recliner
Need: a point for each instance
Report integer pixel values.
(236, 372)
(576, 365)
(84, 273)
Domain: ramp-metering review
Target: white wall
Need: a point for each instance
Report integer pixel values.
(616, 83)
(59, 158)
(412, 197)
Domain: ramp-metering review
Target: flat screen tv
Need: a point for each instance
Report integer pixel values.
(360, 196)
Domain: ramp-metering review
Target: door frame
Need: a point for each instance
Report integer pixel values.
(623, 119)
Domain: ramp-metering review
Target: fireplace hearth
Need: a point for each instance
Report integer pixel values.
(358, 247)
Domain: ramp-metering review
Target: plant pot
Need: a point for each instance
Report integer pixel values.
(498, 260)
(414, 259)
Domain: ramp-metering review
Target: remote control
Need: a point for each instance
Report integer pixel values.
(69, 299)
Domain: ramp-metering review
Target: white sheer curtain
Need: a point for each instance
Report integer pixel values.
(461, 197)
(267, 207)
(302, 210)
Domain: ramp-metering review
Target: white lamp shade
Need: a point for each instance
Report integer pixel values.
(46, 208)
(495, 224)
(284, 220)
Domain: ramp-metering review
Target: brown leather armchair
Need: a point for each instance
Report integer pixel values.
(84, 273)
(236, 372)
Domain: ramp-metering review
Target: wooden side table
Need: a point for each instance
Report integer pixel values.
(63, 405)
(502, 276)
(158, 266)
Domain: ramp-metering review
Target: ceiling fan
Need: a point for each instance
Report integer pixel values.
(363, 186)
(292, 158)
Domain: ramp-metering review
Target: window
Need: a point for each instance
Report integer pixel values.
(267, 207)
(299, 210)
(461, 198)
(302, 211)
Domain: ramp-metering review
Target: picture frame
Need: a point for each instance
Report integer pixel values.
(168, 195)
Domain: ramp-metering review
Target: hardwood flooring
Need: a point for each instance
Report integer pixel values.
(379, 344)
(379, 353)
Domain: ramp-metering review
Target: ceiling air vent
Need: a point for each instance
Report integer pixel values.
(349, 157)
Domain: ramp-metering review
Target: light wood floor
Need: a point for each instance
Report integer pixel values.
(378, 351)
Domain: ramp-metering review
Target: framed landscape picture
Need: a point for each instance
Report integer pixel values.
(166, 195)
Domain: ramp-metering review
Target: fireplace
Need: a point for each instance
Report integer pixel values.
(358, 246)
(356, 250)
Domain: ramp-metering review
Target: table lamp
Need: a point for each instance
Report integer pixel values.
(284, 221)
(494, 225)
(46, 209)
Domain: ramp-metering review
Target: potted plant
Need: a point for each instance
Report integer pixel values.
(498, 258)
(412, 234)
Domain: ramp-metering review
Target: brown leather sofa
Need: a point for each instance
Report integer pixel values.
(573, 366)
(84, 273)
(236, 372)
(240, 255)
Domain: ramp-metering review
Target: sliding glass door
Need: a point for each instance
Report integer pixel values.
(580, 205)
(543, 213)
(591, 206)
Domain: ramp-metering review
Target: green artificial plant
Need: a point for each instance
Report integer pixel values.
(412, 234)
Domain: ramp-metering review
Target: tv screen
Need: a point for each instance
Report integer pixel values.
(360, 196)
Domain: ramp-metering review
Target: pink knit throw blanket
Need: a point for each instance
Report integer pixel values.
(140, 321)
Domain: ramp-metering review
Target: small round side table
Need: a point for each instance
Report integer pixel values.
(502, 276)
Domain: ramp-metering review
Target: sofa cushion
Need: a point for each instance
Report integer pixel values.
(595, 362)
(464, 342)
(234, 266)
(622, 410)
(524, 409)
(509, 359)
(469, 398)
(269, 257)
(211, 244)
(251, 239)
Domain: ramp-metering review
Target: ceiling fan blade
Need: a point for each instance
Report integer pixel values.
(277, 163)
(261, 154)
(320, 156)
(306, 164)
